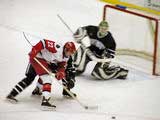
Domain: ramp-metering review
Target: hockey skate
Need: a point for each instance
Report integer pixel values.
(46, 106)
(67, 95)
(37, 91)
(11, 99)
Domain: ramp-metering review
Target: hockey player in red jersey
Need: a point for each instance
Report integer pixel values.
(101, 44)
(68, 82)
(49, 54)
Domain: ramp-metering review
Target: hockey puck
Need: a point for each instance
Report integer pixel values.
(86, 107)
(113, 117)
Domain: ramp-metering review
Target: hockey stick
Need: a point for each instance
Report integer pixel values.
(64, 87)
(65, 23)
(27, 39)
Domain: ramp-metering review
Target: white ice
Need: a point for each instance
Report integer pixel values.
(136, 98)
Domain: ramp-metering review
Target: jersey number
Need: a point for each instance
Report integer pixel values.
(50, 44)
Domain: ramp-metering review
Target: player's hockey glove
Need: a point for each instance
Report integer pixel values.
(53, 67)
(70, 76)
(70, 83)
(60, 74)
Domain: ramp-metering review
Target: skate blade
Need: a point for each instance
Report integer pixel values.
(46, 108)
(67, 97)
(36, 96)
(11, 101)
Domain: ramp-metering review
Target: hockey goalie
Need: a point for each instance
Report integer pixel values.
(97, 44)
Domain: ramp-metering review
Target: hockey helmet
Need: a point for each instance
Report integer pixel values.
(69, 48)
(103, 24)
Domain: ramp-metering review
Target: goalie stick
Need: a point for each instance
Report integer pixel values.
(65, 88)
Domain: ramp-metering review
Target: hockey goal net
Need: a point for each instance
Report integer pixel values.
(137, 35)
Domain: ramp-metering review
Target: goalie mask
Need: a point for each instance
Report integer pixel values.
(69, 49)
(103, 29)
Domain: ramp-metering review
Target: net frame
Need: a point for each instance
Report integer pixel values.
(153, 57)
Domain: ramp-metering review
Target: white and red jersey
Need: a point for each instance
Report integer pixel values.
(50, 51)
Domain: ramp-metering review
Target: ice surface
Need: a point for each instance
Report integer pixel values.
(136, 98)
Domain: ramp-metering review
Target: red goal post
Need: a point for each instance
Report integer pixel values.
(155, 55)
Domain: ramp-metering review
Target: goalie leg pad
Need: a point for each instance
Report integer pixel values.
(122, 74)
(80, 61)
(113, 72)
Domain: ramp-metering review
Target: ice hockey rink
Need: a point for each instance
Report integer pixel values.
(136, 98)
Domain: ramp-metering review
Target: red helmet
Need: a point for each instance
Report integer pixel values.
(70, 47)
